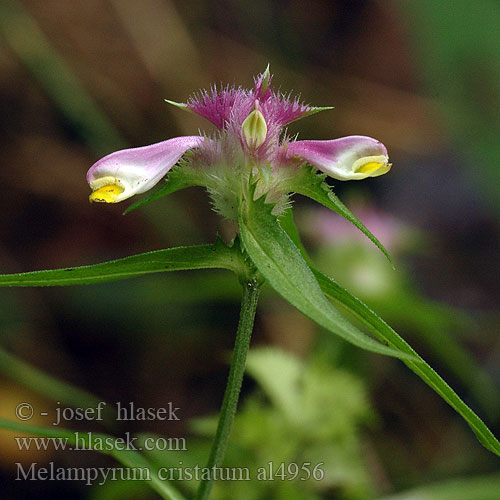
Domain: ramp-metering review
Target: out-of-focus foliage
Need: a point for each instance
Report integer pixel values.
(342, 252)
(474, 488)
(303, 412)
(458, 48)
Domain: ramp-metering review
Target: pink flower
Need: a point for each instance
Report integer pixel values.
(326, 228)
(251, 146)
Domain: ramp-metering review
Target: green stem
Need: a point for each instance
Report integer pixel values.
(233, 387)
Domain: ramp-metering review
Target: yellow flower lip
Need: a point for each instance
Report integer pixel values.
(106, 191)
(372, 166)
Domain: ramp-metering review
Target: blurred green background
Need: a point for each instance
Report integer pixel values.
(81, 79)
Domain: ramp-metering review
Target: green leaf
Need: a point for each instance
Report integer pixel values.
(44, 384)
(103, 443)
(180, 177)
(287, 222)
(179, 105)
(173, 259)
(312, 111)
(471, 488)
(309, 183)
(279, 374)
(280, 262)
(385, 333)
(119, 490)
(438, 328)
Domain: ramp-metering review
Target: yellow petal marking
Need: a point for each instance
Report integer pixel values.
(106, 194)
(369, 168)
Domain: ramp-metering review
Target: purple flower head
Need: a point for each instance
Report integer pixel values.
(250, 147)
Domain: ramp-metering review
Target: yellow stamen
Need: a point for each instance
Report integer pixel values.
(106, 194)
(370, 167)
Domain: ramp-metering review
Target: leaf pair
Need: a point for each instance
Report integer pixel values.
(276, 251)
(384, 332)
(281, 263)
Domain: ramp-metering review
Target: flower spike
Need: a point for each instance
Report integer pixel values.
(348, 158)
(250, 148)
(124, 173)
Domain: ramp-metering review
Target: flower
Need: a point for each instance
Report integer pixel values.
(250, 147)
(328, 230)
(124, 173)
(349, 158)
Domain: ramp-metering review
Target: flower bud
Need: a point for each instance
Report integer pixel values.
(254, 128)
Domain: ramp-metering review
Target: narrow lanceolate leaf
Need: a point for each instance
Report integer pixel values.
(103, 443)
(472, 376)
(309, 183)
(287, 222)
(279, 260)
(173, 259)
(385, 333)
(42, 383)
(313, 110)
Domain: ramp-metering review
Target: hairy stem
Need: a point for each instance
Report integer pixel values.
(233, 387)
